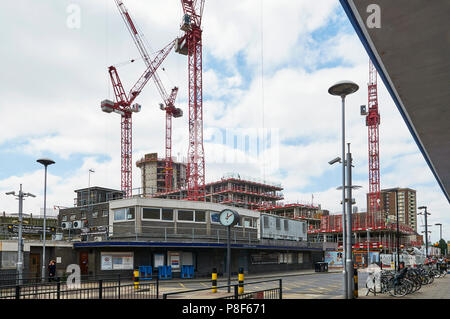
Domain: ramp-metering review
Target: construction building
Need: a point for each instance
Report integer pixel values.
(232, 190)
(371, 232)
(153, 174)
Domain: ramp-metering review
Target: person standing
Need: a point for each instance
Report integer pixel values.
(51, 270)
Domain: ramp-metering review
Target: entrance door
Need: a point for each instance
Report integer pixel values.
(84, 263)
(35, 265)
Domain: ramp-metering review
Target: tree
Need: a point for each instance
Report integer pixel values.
(443, 246)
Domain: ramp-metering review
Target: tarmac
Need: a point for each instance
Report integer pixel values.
(439, 289)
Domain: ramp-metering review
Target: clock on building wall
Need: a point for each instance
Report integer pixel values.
(229, 217)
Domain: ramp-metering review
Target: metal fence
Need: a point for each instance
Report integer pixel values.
(28, 278)
(100, 289)
(270, 293)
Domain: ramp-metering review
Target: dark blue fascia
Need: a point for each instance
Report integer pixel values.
(369, 51)
(190, 245)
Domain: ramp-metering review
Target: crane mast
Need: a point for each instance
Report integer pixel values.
(373, 122)
(190, 44)
(169, 100)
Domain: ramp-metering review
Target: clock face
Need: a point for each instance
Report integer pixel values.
(228, 217)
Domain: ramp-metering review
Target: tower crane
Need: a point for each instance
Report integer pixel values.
(169, 100)
(190, 44)
(123, 107)
(373, 122)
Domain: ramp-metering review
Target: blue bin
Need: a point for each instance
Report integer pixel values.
(187, 271)
(145, 272)
(165, 272)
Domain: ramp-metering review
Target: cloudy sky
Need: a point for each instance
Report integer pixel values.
(267, 66)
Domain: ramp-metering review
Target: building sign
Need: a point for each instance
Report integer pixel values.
(117, 261)
(30, 229)
(334, 259)
(174, 260)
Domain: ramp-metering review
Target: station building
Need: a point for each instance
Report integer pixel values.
(157, 232)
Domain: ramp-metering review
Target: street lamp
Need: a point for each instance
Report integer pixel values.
(425, 213)
(440, 232)
(19, 264)
(46, 162)
(342, 89)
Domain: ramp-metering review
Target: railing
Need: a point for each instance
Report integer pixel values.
(12, 278)
(271, 293)
(249, 235)
(101, 289)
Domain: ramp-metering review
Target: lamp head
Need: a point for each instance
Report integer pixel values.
(423, 207)
(45, 161)
(343, 88)
(11, 193)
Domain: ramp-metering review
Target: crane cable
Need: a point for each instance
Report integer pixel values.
(262, 93)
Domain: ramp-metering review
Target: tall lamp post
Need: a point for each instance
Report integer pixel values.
(342, 89)
(46, 162)
(19, 264)
(440, 233)
(425, 213)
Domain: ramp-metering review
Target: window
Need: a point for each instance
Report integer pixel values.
(64, 218)
(73, 217)
(9, 259)
(167, 214)
(105, 213)
(200, 216)
(123, 214)
(94, 214)
(83, 215)
(151, 213)
(250, 222)
(286, 225)
(304, 228)
(266, 221)
(277, 223)
(186, 215)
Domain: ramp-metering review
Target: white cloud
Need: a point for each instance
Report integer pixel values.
(55, 77)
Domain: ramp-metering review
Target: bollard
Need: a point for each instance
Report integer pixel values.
(136, 278)
(355, 279)
(214, 280)
(241, 281)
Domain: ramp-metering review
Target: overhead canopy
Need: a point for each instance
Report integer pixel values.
(411, 51)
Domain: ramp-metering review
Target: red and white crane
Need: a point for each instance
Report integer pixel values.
(123, 107)
(169, 100)
(190, 44)
(373, 122)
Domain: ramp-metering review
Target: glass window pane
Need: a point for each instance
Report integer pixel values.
(167, 214)
(266, 221)
(200, 216)
(119, 214)
(130, 213)
(151, 213)
(186, 215)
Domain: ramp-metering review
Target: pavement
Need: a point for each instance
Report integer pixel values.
(261, 276)
(439, 289)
